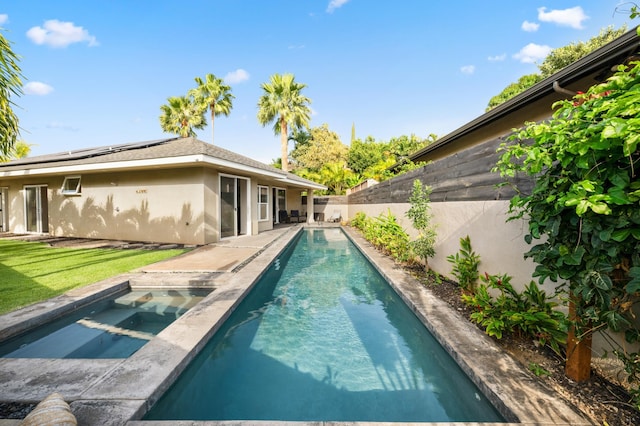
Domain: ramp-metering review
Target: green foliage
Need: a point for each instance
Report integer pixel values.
(563, 56)
(359, 221)
(583, 210)
(214, 95)
(365, 155)
(323, 146)
(182, 115)
(465, 265)
(337, 178)
(420, 214)
(538, 370)
(385, 233)
(529, 313)
(20, 149)
(556, 60)
(513, 89)
(283, 103)
(10, 85)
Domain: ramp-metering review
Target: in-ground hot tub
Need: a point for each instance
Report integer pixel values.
(115, 327)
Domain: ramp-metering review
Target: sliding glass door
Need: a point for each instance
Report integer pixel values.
(234, 208)
(36, 209)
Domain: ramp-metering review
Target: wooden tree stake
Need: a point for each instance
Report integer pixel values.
(578, 364)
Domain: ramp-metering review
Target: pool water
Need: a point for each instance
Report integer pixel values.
(323, 337)
(112, 328)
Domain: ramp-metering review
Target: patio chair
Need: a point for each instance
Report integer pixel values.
(335, 217)
(283, 217)
(295, 214)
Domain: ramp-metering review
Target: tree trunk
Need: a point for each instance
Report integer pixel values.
(284, 145)
(212, 106)
(578, 364)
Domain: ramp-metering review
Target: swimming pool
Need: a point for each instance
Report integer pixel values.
(322, 337)
(115, 327)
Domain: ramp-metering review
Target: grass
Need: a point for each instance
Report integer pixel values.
(31, 272)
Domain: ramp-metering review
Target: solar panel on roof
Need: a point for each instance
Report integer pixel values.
(88, 152)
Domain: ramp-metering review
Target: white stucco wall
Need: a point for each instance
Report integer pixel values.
(500, 244)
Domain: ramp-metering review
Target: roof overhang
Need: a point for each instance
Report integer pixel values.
(160, 163)
(539, 98)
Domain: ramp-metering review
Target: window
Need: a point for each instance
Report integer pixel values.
(263, 202)
(71, 185)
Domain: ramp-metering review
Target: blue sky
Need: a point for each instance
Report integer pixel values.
(97, 72)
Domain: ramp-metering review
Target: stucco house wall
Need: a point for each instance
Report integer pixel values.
(165, 191)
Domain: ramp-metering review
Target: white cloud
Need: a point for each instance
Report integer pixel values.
(530, 27)
(468, 69)
(37, 88)
(497, 58)
(4, 18)
(55, 33)
(571, 17)
(335, 4)
(237, 76)
(532, 52)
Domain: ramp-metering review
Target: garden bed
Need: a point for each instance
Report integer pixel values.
(600, 399)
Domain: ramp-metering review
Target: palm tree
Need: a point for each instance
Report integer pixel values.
(10, 84)
(283, 103)
(212, 93)
(181, 116)
(20, 149)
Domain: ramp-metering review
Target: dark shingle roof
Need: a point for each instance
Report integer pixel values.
(148, 150)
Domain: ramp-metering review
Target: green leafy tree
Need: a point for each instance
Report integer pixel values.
(402, 147)
(182, 115)
(214, 95)
(513, 89)
(322, 147)
(365, 155)
(556, 60)
(20, 149)
(284, 104)
(583, 212)
(10, 85)
(561, 57)
(337, 177)
(420, 215)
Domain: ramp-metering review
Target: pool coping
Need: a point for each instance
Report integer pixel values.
(110, 392)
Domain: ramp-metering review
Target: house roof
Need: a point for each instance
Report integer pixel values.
(536, 102)
(159, 153)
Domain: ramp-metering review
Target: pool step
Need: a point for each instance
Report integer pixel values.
(174, 280)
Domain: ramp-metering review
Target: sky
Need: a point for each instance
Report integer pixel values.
(96, 72)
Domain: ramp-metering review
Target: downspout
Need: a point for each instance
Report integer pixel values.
(558, 89)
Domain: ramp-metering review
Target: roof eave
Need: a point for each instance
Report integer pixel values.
(596, 60)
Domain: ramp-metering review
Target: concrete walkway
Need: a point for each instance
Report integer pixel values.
(115, 391)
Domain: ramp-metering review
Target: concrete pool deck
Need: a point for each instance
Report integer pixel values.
(113, 392)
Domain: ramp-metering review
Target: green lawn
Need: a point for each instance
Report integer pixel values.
(31, 272)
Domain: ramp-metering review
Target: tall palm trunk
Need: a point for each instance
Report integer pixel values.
(212, 107)
(284, 145)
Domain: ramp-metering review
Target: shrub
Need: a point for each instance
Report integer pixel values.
(359, 221)
(419, 213)
(385, 233)
(465, 265)
(530, 313)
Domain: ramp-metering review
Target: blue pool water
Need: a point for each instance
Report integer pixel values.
(323, 337)
(112, 328)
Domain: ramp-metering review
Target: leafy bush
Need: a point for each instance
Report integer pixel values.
(359, 221)
(582, 213)
(385, 233)
(419, 213)
(529, 313)
(465, 265)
